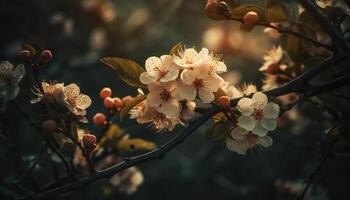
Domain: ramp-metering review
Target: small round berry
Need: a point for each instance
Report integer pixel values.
(216, 10)
(251, 18)
(127, 99)
(118, 103)
(49, 126)
(99, 119)
(108, 102)
(89, 143)
(191, 105)
(46, 56)
(224, 101)
(105, 92)
(25, 55)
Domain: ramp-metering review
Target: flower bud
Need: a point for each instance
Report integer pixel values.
(46, 56)
(224, 101)
(217, 9)
(191, 105)
(49, 126)
(99, 119)
(105, 92)
(118, 103)
(25, 55)
(108, 102)
(126, 99)
(89, 143)
(251, 18)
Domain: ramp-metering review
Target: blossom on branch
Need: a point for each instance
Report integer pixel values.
(10, 77)
(73, 100)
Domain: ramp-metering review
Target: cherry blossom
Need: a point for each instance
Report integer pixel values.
(258, 116)
(163, 97)
(240, 140)
(49, 92)
(161, 69)
(272, 58)
(10, 77)
(73, 100)
(190, 58)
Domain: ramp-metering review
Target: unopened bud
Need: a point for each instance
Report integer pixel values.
(99, 119)
(89, 143)
(108, 102)
(191, 105)
(46, 56)
(118, 103)
(251, 18)
(224, 101)
(25, 55)
(49, 126)
(105, 92)
(217, 9)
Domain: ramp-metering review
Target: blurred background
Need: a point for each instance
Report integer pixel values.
(80, 32)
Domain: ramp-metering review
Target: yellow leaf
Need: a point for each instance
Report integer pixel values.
(137, 143)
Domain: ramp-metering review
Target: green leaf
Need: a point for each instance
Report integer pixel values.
(125, 111)
(175, 49)
(276, 12)
(138, 144)
(218, 131)
(127, 70)
(240, 11)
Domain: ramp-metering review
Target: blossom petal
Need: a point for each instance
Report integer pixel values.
(187, 92)
(259, 130)
(265, 141)
(271, 111)
(152, 63)
(147, 78)
(239, 147)
(220, 67)
(188, 76)
(18, 74)
(269, 124)
(83, 101)
(259, 100)
(206, 96)
(172, 74)
(170, 108)
(153, 99)
(211, 83)
(238, 133)
(247, 122)
(244, 105)
(71, 90)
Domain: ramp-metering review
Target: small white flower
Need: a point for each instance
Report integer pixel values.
(74, 101)
(128, 180)
(10, 77)
(234, 92)
(50, 92)
(258, 116)
(190, 58)
(273, 57)
(240, 140)
(161, 69)
(163, 97)
(196, 81)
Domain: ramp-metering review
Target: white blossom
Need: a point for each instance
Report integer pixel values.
(190, 58)
(49, 92)
(73, 100)
(240, 140)
(258, 116)
(10, 77)
(161, 69)
(273, 57)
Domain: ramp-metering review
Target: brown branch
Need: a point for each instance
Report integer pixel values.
(158, 153)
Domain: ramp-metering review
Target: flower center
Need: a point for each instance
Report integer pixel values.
(258, 114)
(165, 95)
(161, 73)
(189, 60)
(198, 83)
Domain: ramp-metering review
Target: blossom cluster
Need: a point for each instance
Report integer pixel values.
(175, 83)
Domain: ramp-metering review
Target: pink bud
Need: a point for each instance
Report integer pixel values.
(25, 55)
(108, 102)
(99, 119)
(224, 101)
(46, 56)
(105, 92)
(251, 18)
(89, 143)
(118, 103)
(126, 99)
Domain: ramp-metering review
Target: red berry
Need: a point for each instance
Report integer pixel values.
(49, 126)
(251, 18)
(99, 119)
(224, 101)
(126, 99)
(118, 103)
(105, 92)
(108, 102)
(46, 56)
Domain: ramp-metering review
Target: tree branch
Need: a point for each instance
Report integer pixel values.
(324, 21)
